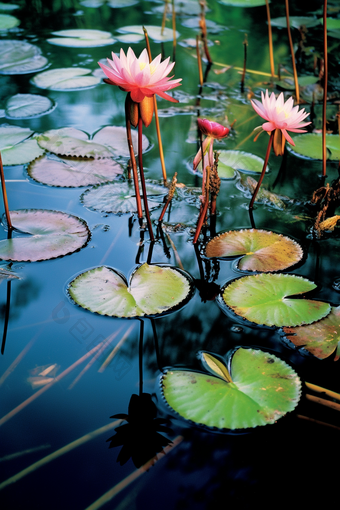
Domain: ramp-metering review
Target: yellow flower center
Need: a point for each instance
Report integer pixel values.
(143, 64)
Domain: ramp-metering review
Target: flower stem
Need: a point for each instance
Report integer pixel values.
(270, 143)
(160, 145)
(270, 38)
(204, 209)
(325, 84)
(4, 195)
(133, 161)
(199, 60)
(292, 54)
(245, 44)
(173, 30)
(141, 172)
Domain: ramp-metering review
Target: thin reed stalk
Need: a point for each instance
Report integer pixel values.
(297, 91)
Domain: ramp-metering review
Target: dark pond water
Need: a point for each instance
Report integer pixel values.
(291, 462)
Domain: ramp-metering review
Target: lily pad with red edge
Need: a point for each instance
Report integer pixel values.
(73, 173)
(321, 338)
(271, 300)
(152, 290)
(262, 389)
(260, 250)
(117, 198)
(52, 234)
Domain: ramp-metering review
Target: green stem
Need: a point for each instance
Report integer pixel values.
(270, 143)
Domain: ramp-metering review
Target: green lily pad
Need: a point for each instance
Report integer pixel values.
(82, 38)
(243, 3)
(267, 299)
(73, 173)
(52, 234)
(309, 145)
(295, 21)
(239, 160)
(115, 4)
(7, 22)
(260, 250)
(154, 32)
(28, 106)
(71, 142)
(333, 27)
(321, 338)
(130, 38)
(19, 57)
(262, 390)
(114, 138)
(8, 7)
(288, 82)
(152, 290)
(67, 78)
(117, 198)
(16, 147)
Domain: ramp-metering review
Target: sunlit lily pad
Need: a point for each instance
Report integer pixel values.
(239, 160)
(152, 290)
(19, 57)
(271, 300)
(16, 147)
(71, 142)
(114, 138)
(7, 22)
(8, 7)
(154, 32)
(81, 38)
(115, 4)
(309, 145)
(321, 338)
(243, 3)
(295, 21)
(263, 388)
(52, 234)
(260, 250)
(67, 78)
(72, 173)
(28, 106)
(117, 198)
(130, 38)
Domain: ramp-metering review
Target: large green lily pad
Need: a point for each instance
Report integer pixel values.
(262, 390)
(71, 142)
(81, 38)
(117, 198)
(52, 234)
(66, 79)
(28, 106)
(19, 57)
(152, 290)
(262, 250)
(7, 22)
(72, 172)
(309, 145)
(243, 3)
(114, 138)
(16, 146)
(269, 299)
(321, 338)
(295, 21)
(154, 32)
(238, 160)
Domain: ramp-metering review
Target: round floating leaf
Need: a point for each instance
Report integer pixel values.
(28, 106)
(296, 22)
(19, 57)
(243, 3)
(11, 135)
(71, 142)
(114, 138)
(22, 153)
(118, 198)
(225, 171)
(7, 22)
(239, 160)
(154, 32)
(52, 234)
(321, 338)
(263, 389)
(309, 146)
(267, 299)
(289, 84)
(8, 7)
(72, 173)
(130, 38)
(67, 78)
(82, 38)
(153, 290)
(118, 4)
(262, 250)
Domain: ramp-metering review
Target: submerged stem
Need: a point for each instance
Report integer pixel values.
(4, 195)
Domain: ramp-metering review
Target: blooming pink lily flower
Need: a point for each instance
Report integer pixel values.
(213, 130)
(282, 116)
(139, 76)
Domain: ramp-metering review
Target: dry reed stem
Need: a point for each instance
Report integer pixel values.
(116, 349)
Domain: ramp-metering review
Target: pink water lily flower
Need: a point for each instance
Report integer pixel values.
(281, 116)
(139, 76)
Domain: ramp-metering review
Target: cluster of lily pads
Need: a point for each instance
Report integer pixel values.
(252, 387)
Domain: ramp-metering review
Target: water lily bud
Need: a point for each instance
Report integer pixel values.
(132, 111)
(146, 108)
(212, 129)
